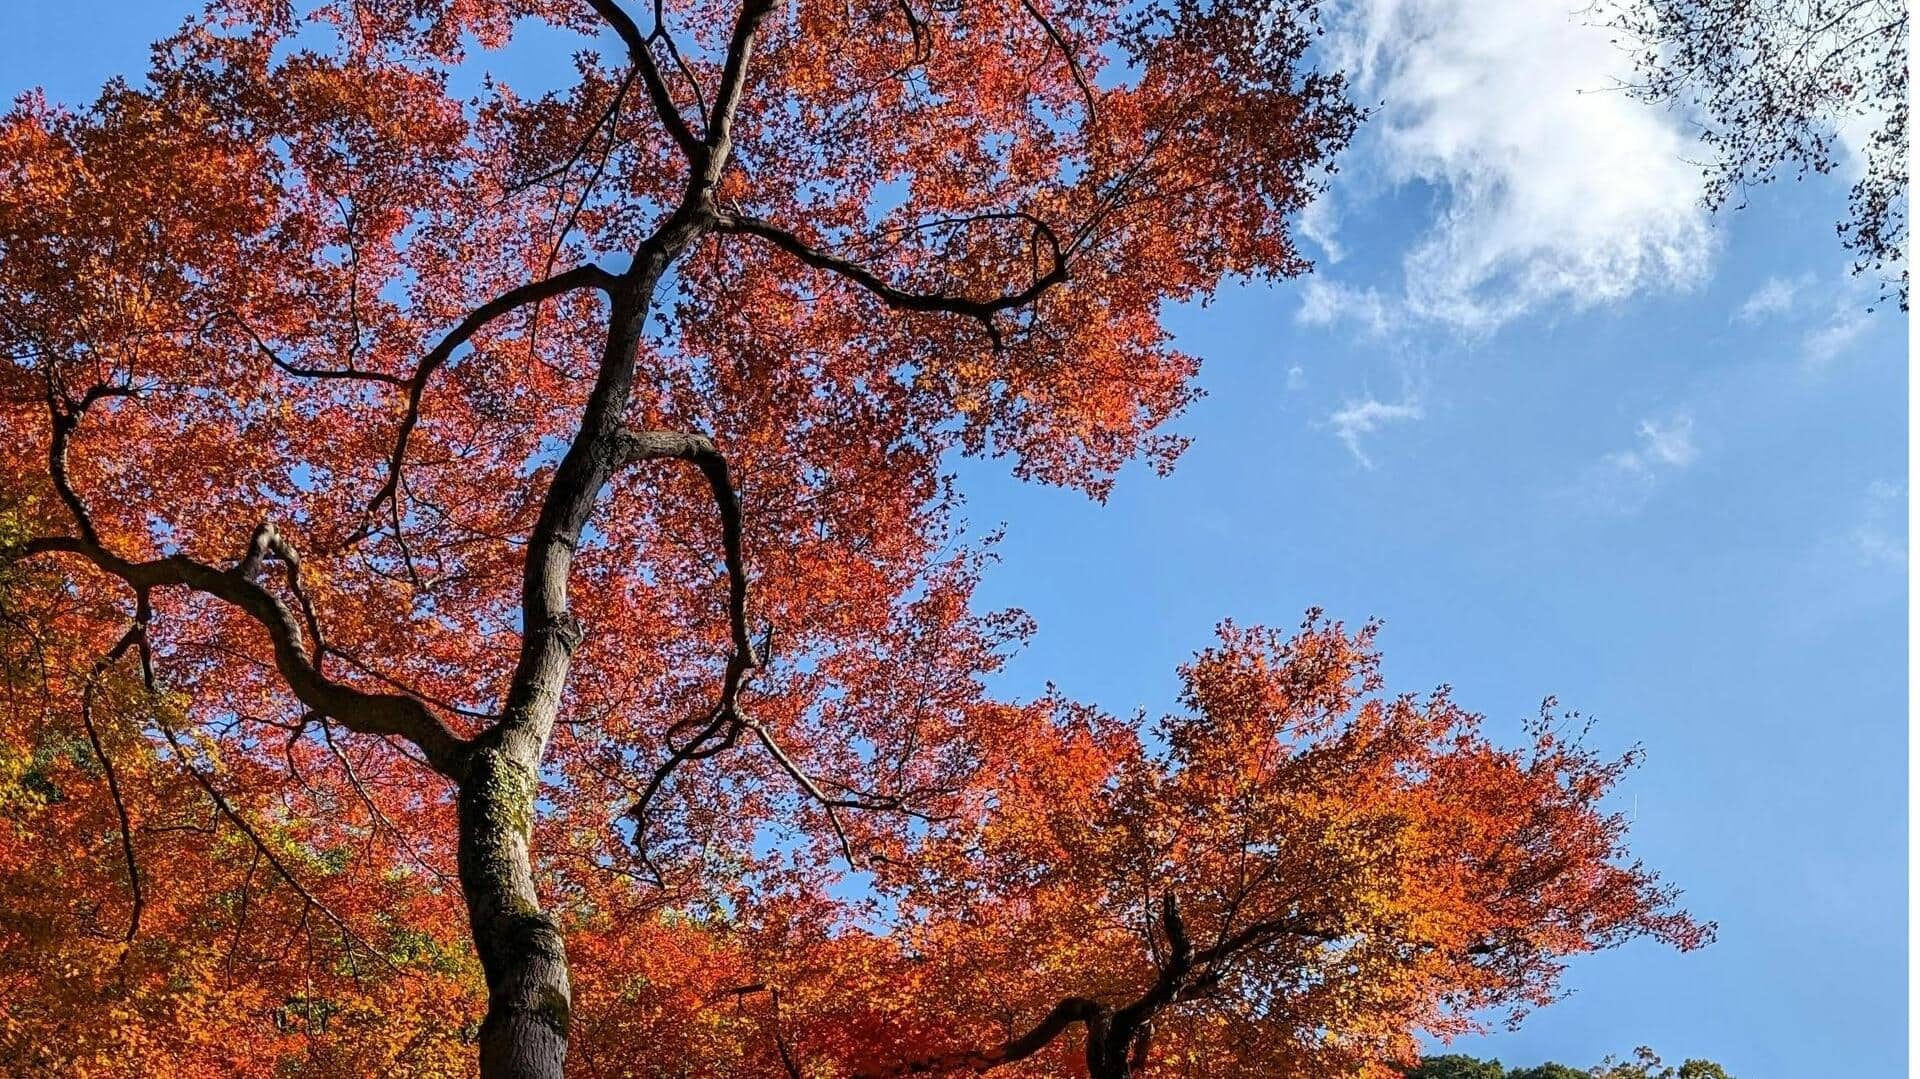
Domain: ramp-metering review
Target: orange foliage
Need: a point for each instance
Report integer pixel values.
(305, 355)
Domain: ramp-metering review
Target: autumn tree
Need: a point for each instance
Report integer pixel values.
(1777, 86)
(446, 535)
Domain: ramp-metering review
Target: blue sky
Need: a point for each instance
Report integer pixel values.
(1566, 434)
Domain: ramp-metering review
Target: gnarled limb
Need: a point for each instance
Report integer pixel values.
(379, 714)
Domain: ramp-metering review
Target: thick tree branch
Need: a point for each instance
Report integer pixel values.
(379, 714)
(639, 48)
(635, 446)
(65, 415)
(733, 80)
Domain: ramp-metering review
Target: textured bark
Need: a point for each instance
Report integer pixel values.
(529, 1000)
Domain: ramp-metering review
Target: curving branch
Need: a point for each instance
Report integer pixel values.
(381, 714)
(1066, 52)
(723, 724)
(589, 276)
(65, 414)
(982, 311)
(1067, 1013)
(635, 446)
(378, 714)
(337, 374)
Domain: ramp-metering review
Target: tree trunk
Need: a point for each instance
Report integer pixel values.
(529, 1000)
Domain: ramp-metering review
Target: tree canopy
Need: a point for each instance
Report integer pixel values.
(482, 577)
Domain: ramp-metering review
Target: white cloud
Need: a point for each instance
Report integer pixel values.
(1296, 377)
(1879, 539)
(1846, 321)
(1663, 445)
(1327, 303)
(1826, 332)
(1776, 296)
(1552, 189)
(1320, 222)
(1624, 480)
(1364, 417)
(1826, 342)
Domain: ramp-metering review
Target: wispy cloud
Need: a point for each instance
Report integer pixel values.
(1836, 334)
(1880, 537)
(1830, 318)
(1550, 191)
(1330, 303)
(1623, 481)
(1320, 222)
(1360, 418)
(1664, 444)
(1775, 297)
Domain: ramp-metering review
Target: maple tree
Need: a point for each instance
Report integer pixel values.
(479, 571)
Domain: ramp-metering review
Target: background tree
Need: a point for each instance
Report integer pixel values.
(1776, 83)
(1644, 1065)
(385, 473)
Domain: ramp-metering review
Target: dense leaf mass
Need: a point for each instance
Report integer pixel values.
(383, 476)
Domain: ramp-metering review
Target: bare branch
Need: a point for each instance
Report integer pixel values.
(313, 902)
(322, 373)
(134, 632)
(577, 278)
(807, 784)
(1066, 52)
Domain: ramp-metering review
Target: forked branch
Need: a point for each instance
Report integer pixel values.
(722, 725)
(379, 714)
